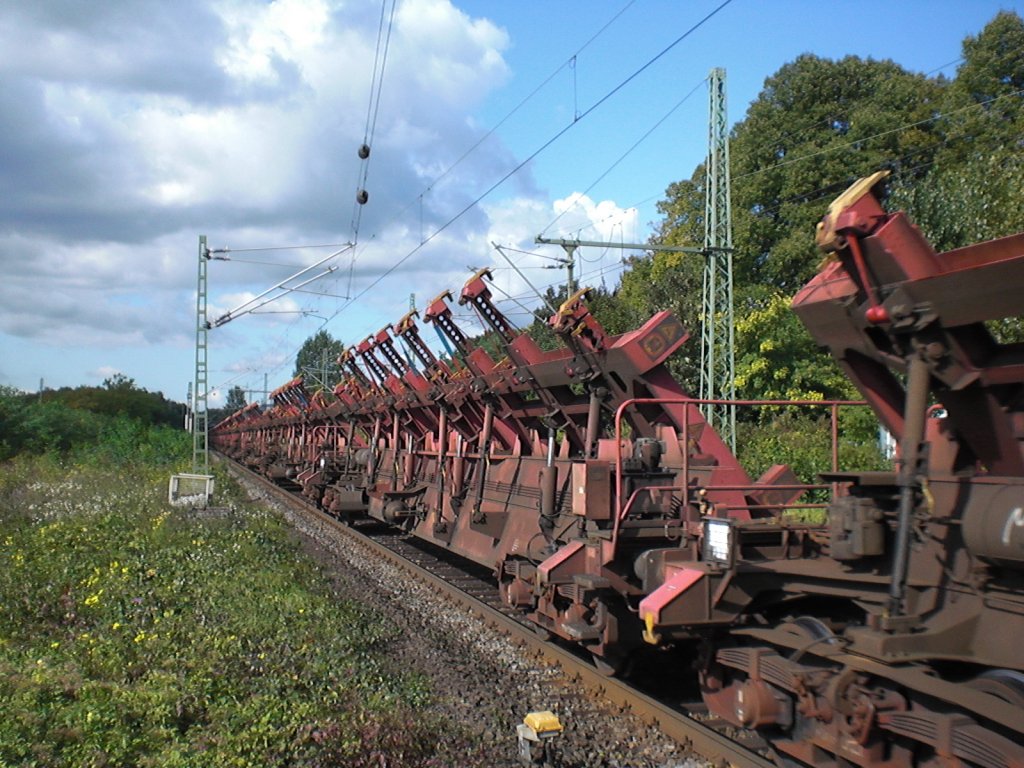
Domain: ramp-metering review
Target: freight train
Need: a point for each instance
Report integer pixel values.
(614, 517)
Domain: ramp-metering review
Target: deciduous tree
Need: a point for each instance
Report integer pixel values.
(317, 361)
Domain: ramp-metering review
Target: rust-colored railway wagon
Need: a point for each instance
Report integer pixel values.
(614, 517)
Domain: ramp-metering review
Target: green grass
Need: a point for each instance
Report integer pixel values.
(136, 634)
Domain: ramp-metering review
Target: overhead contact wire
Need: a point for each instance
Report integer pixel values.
(514, 110)
(627, 153)
(533, 155)
(371, 125)
(516, 169)
(847, 145)
(380, 60)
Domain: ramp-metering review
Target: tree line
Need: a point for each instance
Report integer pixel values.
(955, 151)
(119, 416)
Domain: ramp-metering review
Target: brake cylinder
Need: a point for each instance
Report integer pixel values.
(993, 523)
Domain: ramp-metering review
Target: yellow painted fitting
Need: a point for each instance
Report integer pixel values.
(446, 295)
(406, 322)
(649, 635)
(567, 306)
(929, 499)
(481, 273)
(826, 236)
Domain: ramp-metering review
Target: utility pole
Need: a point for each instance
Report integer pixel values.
(570, 247)
(197, 487)
(318, 373)
(717, 340)
(250, 393)
(200, 424)
(568, 261)
(200, 413)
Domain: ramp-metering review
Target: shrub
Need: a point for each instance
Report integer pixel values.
(803, 441)
(53, 427)
(133, 633)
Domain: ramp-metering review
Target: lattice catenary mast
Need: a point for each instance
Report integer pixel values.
(717, 341)
(200, 422)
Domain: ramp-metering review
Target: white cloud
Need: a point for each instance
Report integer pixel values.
(516, 223)
(601, 221)
(448, 78)
(285, 30)
(104, 372)
(108, 174)
(272, 306)
(118, 152)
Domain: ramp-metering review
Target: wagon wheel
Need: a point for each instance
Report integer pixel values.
(542, 632)
(811, 628)
(1005, 684)
(814, 632)
(611, 665)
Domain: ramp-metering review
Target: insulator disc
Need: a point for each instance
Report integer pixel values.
(364, 151)
(362, 196)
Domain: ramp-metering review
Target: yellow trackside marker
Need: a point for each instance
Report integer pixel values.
(544, 723)
(533, 735)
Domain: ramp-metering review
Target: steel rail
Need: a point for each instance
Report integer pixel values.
(676, 725)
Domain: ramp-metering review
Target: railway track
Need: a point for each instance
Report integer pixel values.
(591, 484)
(471, 587)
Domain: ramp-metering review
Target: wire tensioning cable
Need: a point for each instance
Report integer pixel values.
(418, 200)
(593, 107)
(380, 60)
(626, 154)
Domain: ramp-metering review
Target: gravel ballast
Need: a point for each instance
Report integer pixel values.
(480, 680)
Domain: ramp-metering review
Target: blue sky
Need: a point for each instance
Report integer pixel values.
(129, 129)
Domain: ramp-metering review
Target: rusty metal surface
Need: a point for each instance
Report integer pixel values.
(610, 513)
